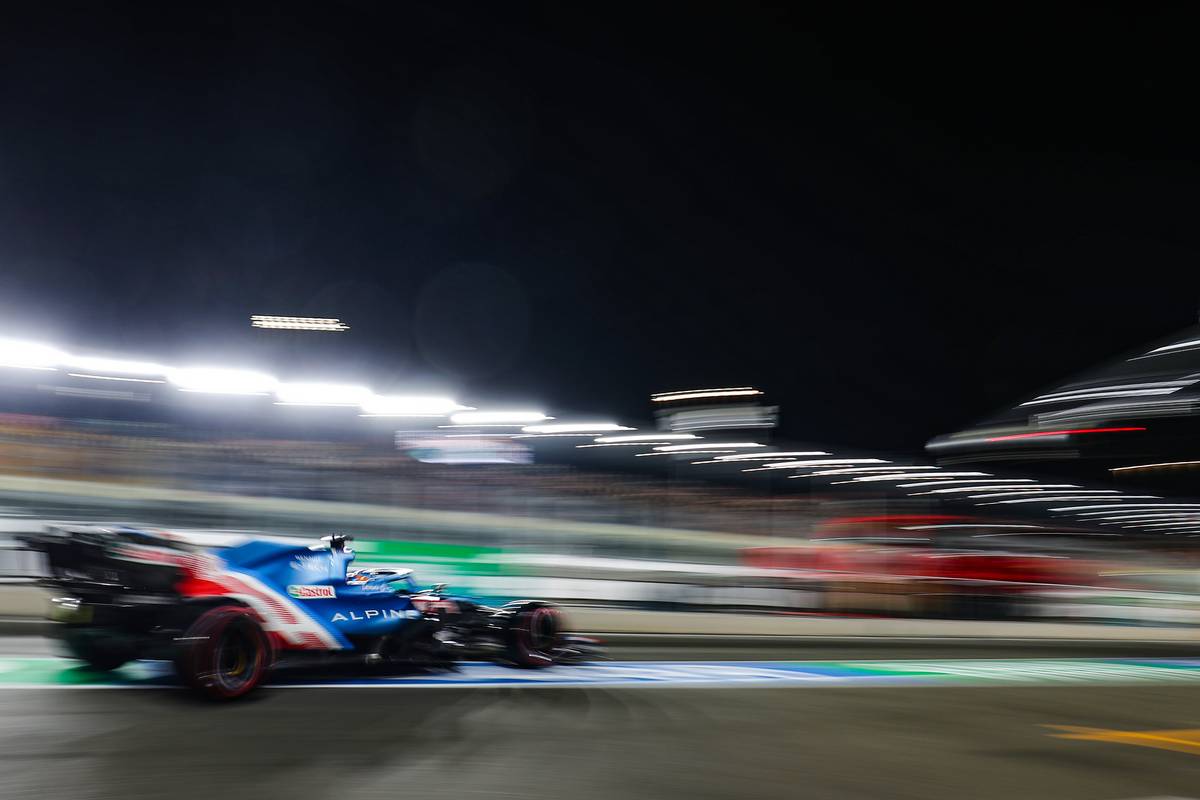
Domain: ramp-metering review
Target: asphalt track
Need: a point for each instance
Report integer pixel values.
(1140, 739)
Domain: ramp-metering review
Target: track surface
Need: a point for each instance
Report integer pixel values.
(668, 742)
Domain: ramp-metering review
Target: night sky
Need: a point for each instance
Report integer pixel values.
(894, 224)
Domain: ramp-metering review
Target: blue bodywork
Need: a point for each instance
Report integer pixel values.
(315, 580)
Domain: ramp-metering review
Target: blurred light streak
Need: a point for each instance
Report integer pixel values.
(480, 435)
(1156, 466)
(917, 476)
(321, 394)
(1023, 489)
(1036, 434)
(719, 418)
(120, 366)
(1145, 509)
(683, 448)
(832, 462)
(1058, 499)
(104, 394)
(959, 481)
(962, 525)
(409, 406)
(783, 466)
(1101, 395)
(1102, 412)
(1122, 390)
(699, 394)
(550, 435)
(617, 444)
(989, 555)
(1129, 505)
(115, 378)
(780, 466)
(1169, 348)
(29, 355)
(868, 536)
(895, 469)
(772, 454)
(644, 437)
(221, 381)
(1119, 519)
(801, 475)
(476, 427)
(497, 417)
(691, 453)
(765, 457)
(298, 323)
(1077, 490)
(1042, 533)
(577, 427)
(1180, 382)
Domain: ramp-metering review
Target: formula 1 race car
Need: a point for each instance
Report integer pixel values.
(225, 616)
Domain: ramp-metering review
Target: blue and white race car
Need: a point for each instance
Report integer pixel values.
(226, 616)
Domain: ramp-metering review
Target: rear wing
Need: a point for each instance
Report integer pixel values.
(109, 560)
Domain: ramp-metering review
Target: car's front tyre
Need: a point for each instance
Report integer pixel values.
(533, 633)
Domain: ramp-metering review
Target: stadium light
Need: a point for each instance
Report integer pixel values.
(298, 323)
(29, 355)
(320, 394)
(221, 381)
(409, 406)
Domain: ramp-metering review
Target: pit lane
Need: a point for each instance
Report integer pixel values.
(987, 743)
(671, 741)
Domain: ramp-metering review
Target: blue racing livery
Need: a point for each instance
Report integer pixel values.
(318, 581)
(225, 616)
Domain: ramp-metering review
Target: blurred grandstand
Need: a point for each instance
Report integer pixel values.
(361, 472)
(698, 507)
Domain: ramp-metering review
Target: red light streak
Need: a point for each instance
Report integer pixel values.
(1060, 433)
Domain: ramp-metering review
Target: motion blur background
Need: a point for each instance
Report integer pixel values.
(700, 320)
(558, 213)
(1072, 505)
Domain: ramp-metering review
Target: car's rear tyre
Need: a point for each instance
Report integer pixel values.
(533, 633)
(225, 653)
(100, 649)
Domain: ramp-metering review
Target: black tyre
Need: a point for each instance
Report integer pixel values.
(225, 653)
(102, 650)
(533, 633)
